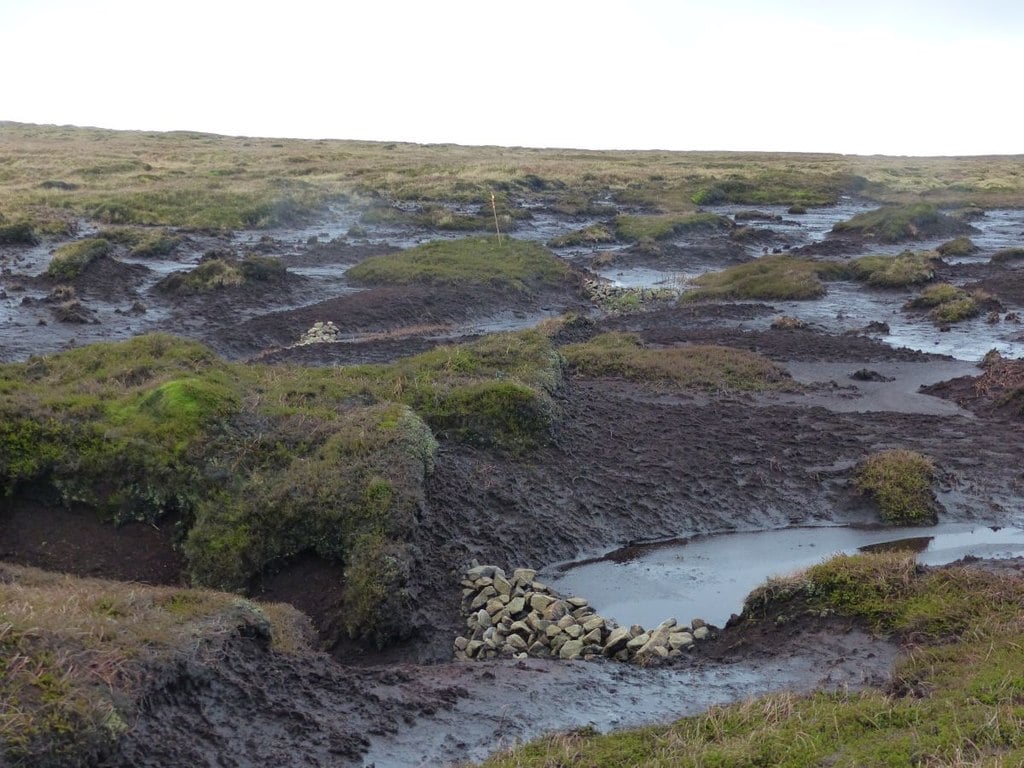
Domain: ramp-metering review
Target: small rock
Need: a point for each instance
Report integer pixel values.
(516, 643)
(461, 643)
(539, 602)
(502, 585)
(473, 648)
(698, 623)
(575, 631)
(577, 602)
(678, 640)
(520, 628)
(572, 649)
(638, 642)
(667, 624)
(636, 630)
(595, 623)
(516, 605)
(701, 633)
(616, 641)
(593, 637)
(523, 576)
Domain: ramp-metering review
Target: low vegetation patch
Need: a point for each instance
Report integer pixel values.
(78, 655)
(143, 242)
(20, 233)
(900, 482)
(896, 223)
(960, 246)
(1007, 255)
(778, 277)
(515, 264)
(263, 463)
(632, 228)
(70, 260)
(218, 273)
(596, 234)
(880, 271)
(955, 700)
(701, 367)
(947, 303)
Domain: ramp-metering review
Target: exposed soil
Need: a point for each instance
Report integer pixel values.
(628, 463)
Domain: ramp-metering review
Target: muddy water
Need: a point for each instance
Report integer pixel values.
(709, 576)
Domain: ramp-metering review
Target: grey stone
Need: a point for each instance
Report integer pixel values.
(483, 619)
(539, 602)
(473, 648)
(461, 643)
(556, 610)
(698, 623)
(553, 630)
(593, 637)
(667, 624)
(577, 602)
(575, 631)
(481, 599)
(539, 651)
(524, 576)
(596, 622)
(616, 641)
(502, 585)
(494, 606)
(558, 641)
(571, 649)
(539, 586)
(701, 633)
(520, 628)
(565, 622)
(677, 640)
(516, 643)
(636, 630)
(516, 605)
(638, 642)
(537, 623)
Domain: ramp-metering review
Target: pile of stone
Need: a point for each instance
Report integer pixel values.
(519, 617)
(614, 297)
(320, 333)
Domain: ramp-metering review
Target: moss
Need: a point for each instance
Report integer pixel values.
(700, 367)
(899, 481)
(896, 223)
(771, 277)
(633, 228)
(515, 264)
(70, 260)
(880, 271)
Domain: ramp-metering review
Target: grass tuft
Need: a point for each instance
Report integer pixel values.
(69, 261)
(780, 277)
(896, 223)
(899, 481)
(907, 268)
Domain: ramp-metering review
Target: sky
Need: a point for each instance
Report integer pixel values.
(897, 77)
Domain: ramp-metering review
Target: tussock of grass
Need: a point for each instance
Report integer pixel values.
(143, 242)
(20, 233)
(948, 304)
(960, 246)
(778, 277)
(77, 654)
(702, 367)
(70, 260)
(900, 483)
(950, 703)
(908, 268)
(515, 264)
(895, 223)
(214, 274)
(662, 227)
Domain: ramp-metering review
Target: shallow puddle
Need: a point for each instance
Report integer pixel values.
(709, 576)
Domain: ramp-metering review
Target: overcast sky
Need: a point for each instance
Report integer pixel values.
(853, 76)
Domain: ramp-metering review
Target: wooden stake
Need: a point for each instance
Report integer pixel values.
(494, 208)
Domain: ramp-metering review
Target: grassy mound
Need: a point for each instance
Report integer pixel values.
(515, 264)
(908, 268)
(79, 654)
(960, 246)
(1007, 255)
(954, 701)
(70, 260)
(900, 483)
(779, 277)
(633, 228)
(263, 463)
(948, 304)
(896, 223)
(214, 274)
(143, 242)
(19, 233)
(702, 367)
(596, 234)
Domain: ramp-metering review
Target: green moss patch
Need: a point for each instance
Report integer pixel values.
(701, 367)
(263, 463)
(778, 277)
(900, 482)
(70, 260)
(515, 264)
(896, 223)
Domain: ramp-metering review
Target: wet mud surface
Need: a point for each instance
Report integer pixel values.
(629, 463)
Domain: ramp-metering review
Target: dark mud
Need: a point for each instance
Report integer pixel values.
(628, 463)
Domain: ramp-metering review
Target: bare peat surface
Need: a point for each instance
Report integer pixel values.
(630, 463)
